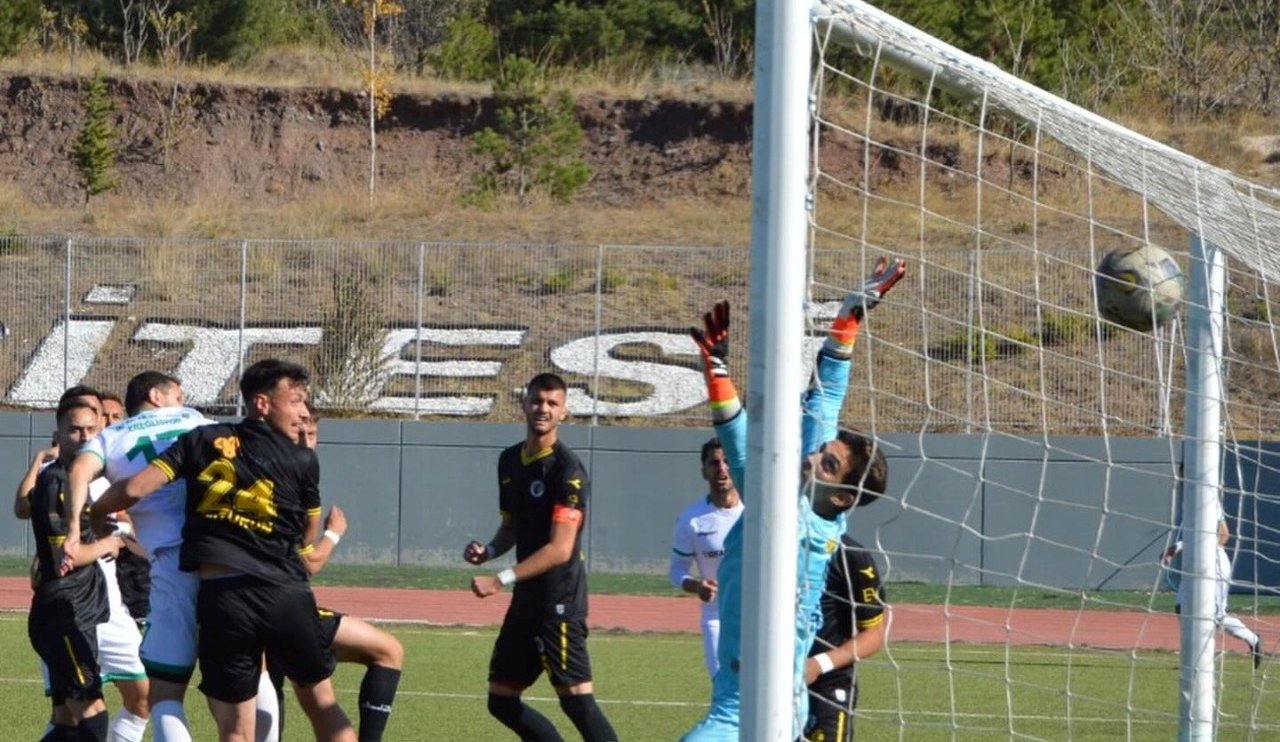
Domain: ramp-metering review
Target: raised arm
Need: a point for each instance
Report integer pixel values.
(727, 413)
(22, 497)
(823, 400)
(319, 546)
(86, 466)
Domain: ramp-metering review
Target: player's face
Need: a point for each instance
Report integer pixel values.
(544, 410)
(75, 429)
(716, 471)
(284, 408)
(112, 411)
(310, 432)
(828, 465)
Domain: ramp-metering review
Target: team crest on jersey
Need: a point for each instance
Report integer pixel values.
(227, 445)
(536, 489)
(831, 546)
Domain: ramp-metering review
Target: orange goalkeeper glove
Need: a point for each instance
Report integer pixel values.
(713, 343)
(848, 321)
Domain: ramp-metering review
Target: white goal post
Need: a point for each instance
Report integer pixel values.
(1004, 198)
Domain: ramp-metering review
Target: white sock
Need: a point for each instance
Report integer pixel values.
(169, 722)
(1236, 628)
(267, 711)
(127, 727)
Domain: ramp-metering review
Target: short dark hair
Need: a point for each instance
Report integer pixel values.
(70, 404)
(139, 389)
(262, 377)
(709, 446)
(545, 382)
(112, 397)
(869, 473)
(80, 390)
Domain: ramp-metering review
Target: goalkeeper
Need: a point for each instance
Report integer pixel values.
(839, 469)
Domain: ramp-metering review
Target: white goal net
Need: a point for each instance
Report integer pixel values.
(1044, 479)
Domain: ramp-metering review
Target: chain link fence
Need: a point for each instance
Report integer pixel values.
(972, 340)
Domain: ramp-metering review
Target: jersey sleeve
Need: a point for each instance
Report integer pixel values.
(868, 596)
(182, 453)
(311, 484)
(821, 403)
(97, 446)
(572, 494)
(732, 434)
(47, 519)
(682, 548)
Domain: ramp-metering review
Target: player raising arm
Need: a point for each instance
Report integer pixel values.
(839, 469)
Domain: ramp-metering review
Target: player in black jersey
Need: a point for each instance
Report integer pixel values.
(853, 598)
(252, 492)
(66, 609)
(543, 491)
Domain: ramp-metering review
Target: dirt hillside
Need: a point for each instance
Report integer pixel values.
(286, 144)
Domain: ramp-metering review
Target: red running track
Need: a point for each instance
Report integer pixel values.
(1117, 630)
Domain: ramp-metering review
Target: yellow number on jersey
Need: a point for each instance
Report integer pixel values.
(253, 508)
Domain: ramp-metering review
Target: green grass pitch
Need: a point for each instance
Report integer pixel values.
(654, 687)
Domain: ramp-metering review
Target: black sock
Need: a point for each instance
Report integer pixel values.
(94, 728)
(524, 721)
(586, 715)
(377, 693)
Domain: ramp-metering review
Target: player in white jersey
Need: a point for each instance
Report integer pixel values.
(1221, 589)
(154, 402)
(698, 539)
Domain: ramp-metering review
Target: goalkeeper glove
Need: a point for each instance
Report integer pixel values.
(848, 321)
(713, 343)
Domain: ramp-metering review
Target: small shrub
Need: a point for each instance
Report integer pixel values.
(1060, 328)
(94, 150)
(469, 51)
(350, 367)
(612, 279)
(560, 282)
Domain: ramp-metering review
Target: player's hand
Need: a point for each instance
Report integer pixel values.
(336, 521)
(45, 455)
(113, 545)
(485, 585)
(707, 590)
(844, 328)
(713, 340)
(475, 553)
(66, 564)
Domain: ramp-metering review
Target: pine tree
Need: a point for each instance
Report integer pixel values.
(94, 151)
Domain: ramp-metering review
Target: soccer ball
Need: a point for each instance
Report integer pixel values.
(1139, 288)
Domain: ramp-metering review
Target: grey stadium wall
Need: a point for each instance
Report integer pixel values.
(416, 492)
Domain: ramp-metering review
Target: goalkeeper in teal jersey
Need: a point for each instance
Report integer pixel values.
(839, 469)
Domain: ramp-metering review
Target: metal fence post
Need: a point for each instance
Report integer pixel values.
(66, 316)
(244, 298)
(417, 358)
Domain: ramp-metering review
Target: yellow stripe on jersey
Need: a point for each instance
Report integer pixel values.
(871, 622)
(304, 550)
(564, 645)
(165, 469)
(57, 540)
(840, 726)
(525, 460)
(312, 512)
(74, 663)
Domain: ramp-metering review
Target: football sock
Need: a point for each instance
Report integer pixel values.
(127, 727)
(377, 693)
(1236, 628)
(586, 715)
(523, 720)
(266, 711)
(93, 728)
(169, 722)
